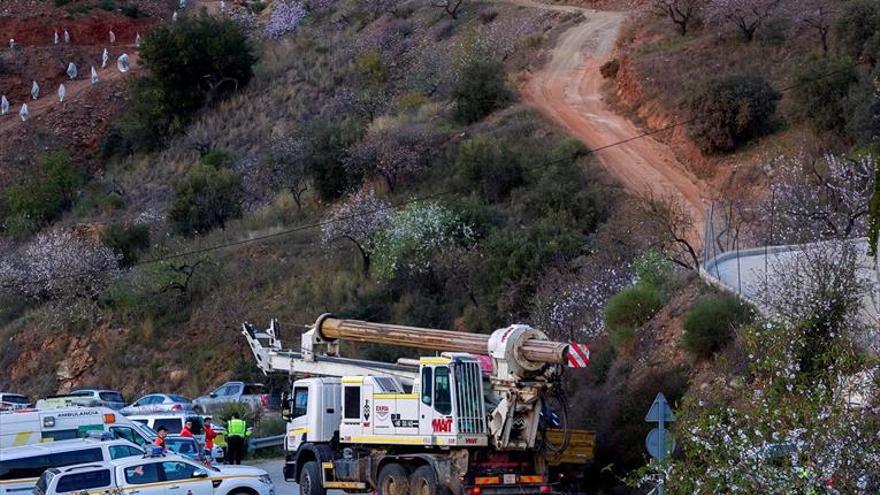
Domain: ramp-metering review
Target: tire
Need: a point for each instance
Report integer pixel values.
(310, 479)
(393, 480)
(424, 482)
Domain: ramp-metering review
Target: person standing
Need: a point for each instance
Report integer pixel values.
(162, 432)
(236, 431)
(187, 429)
(210, 434)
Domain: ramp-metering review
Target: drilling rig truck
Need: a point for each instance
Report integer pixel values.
(487, 415)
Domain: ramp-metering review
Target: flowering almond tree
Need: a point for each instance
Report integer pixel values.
(286, 17)
(60, 265)
(357, 218)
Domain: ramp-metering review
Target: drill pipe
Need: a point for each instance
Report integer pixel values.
(534, 350)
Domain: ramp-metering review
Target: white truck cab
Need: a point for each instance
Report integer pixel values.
(163, 475)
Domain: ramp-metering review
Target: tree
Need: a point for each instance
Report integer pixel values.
(670, 229)
(127, 241)
(814, 199)
(481, 89)
(286, 17)
(729, 111)
(289, 167)
(820, 90)
(207, 197)
(874, 221)
(392, 153)
(680, 12)
(38, 200)
(816, 15)
(325, 147)
(193, 62)
(746, 15)
(60, 265)
(858, 30)
(414, 234)
(357, 218)
(449, 6)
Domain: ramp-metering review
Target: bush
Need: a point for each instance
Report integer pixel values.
(197, 60)
(858, 30)
(653, 269)
(108, 5)
(632, 307)
(38, 200)
(127, 241)
(862, 107)
(481, 89)
(206, 198)
(820, 90)
(133, 11)
(487, 166)
(326, 145)
(710, 324)
(729, 111)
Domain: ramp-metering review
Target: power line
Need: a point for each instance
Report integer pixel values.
(322, 223)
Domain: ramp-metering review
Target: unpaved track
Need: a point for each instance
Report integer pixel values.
(568, 89)
(76, 92)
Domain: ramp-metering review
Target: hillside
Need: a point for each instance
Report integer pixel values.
(506, 161)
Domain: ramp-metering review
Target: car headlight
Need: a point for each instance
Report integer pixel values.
(265, 478)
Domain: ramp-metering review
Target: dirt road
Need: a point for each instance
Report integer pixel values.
(568, 89)
(76, 91)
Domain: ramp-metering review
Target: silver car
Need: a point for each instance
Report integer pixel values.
(158, 403)
(102, 398)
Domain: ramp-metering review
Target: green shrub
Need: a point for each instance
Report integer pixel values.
(108, 5)
(128, 241)
(653, 269)
(857, 30)
(206, 198)
(372, 68)
(195, 61)
(326, 145)
(820, 90)
(632, 307)
(38, 200)
(862, 108)
(487, 166)
(61, 3)
(729, 111)
(710, 324)
(481, 89)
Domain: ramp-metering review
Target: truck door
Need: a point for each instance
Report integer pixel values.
(298, 426)
(141, 479)
(435, 407)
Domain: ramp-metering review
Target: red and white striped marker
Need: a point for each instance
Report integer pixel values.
(578, 355)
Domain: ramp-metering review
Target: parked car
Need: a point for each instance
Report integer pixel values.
(20, 467)
(173, 422)
(252, 394)
(11, 402)
(157, 403)
(162, 475)
(103, 398)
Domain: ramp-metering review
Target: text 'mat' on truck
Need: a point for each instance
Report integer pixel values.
(485, 416)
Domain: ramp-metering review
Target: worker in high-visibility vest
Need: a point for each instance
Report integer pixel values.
(236, 433)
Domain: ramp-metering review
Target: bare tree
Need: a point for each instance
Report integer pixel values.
(450, 6)
(817, 15)
(670, 229)
(289, 163)
(746, 15)
(818, 198)
(680, 12)
(357, 218)
(60, 265)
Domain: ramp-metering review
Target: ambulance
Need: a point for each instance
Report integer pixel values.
(30, 426)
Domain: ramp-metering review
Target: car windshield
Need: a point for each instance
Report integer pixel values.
(80, 393)
(178, 398)
(144, 430)
(111, 396)
(15, 399)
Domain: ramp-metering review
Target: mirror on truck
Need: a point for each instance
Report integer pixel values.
(286, 406)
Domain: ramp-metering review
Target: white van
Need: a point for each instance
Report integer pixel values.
(21, 467)
(173, 422)
(25, 427)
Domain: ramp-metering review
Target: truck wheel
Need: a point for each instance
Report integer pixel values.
(393, 480)
(310, 480)
(424, 482)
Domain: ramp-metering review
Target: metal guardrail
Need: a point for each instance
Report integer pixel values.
(266, 442)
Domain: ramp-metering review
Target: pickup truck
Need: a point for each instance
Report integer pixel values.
(252, 394)
(160, 475)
